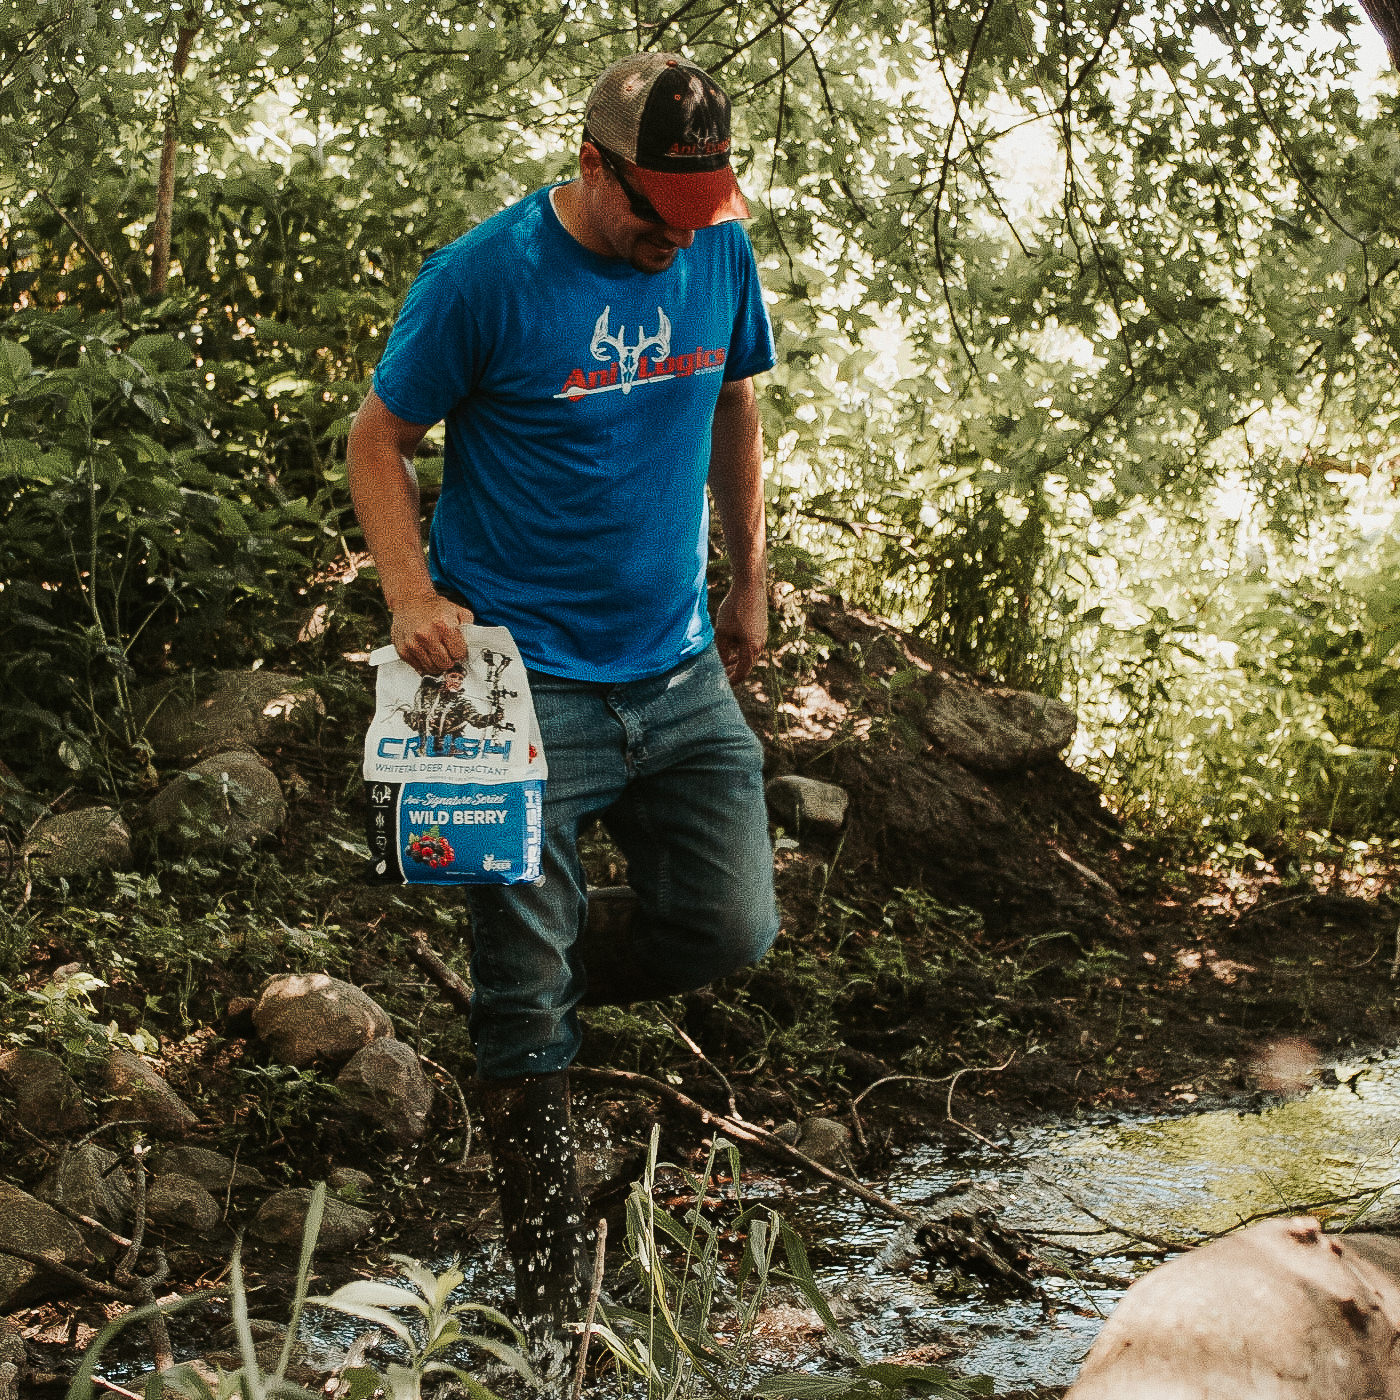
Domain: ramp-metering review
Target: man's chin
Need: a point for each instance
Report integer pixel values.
(646, 259)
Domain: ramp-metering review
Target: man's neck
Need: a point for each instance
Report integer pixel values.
(567, 201)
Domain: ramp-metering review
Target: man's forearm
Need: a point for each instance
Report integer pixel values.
(736, 483)
(384, 490)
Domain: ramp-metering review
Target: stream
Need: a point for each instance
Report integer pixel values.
(1179, 1176)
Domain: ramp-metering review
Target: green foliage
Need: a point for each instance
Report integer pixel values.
(435, 1332)
(694, 1332)
(1043, 277)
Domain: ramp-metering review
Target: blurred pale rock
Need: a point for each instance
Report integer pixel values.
(307, 1017)
(283, 1214)
(803, 803)
(71, 844)
(227, 801)
(233, 709)
(386, 1083)
(1279, 1311)
(47, 1099)
(140, 1092)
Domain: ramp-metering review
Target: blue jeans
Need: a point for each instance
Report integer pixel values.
(675, 774)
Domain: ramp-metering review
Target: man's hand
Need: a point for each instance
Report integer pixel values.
(741, 631)
(427, 633)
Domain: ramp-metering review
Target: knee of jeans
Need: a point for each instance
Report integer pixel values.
(743, 934)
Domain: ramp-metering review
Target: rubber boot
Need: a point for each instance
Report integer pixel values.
(529, 1132)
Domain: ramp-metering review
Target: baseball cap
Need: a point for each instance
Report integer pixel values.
(670, 119)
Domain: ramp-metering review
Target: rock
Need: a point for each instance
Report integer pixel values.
(283, 1214)
(1279, 1311)
(386, 1083)
(994, 729)
(212, 1170)
(72, 844)
(139, 1092)
(826, 1141)
(182, 1202)
(29, 1224)
(88, 1181)
(303, 1018)
(223, 803)
(351, 1180)
(14, 1360)
(47, 1099)
(602, 1167)
(239, 709)
(803, 803)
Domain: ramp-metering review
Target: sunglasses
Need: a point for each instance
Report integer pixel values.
(638, 203)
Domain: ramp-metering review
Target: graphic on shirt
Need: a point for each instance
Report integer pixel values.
(647, 360)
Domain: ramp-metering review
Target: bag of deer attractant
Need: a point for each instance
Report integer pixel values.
(454, 769)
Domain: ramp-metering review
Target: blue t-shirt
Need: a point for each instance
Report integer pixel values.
(578, 395)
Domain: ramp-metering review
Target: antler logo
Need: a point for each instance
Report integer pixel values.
(629, 355)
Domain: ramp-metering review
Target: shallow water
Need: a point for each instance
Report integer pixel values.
(1179, 1177)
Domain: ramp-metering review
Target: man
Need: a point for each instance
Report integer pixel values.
(592, 350)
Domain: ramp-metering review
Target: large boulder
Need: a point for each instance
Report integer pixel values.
(994, 729)
(306, 1018)
(140, 1092)
(29, 1224)
(386, 1083)
(47, 1098)
(223, 803)
(1279, 1311)
(74, 844)
(188, 720)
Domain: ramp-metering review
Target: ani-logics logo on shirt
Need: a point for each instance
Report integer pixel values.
(647, 360)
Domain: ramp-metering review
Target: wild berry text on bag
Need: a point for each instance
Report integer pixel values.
(454, 770)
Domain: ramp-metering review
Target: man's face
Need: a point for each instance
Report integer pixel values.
(646, 243)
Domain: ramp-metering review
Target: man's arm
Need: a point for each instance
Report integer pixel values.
(384, 487)
(736, 483)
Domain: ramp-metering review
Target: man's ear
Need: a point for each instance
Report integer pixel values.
(590, 163)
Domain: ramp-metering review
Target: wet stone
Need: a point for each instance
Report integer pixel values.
(282, 1216)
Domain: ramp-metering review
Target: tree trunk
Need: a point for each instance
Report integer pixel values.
(1385, 15)
(165, 188)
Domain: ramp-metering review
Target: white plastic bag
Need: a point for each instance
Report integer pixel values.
(454, 769)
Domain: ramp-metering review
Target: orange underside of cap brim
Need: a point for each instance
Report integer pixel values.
(692, 201)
